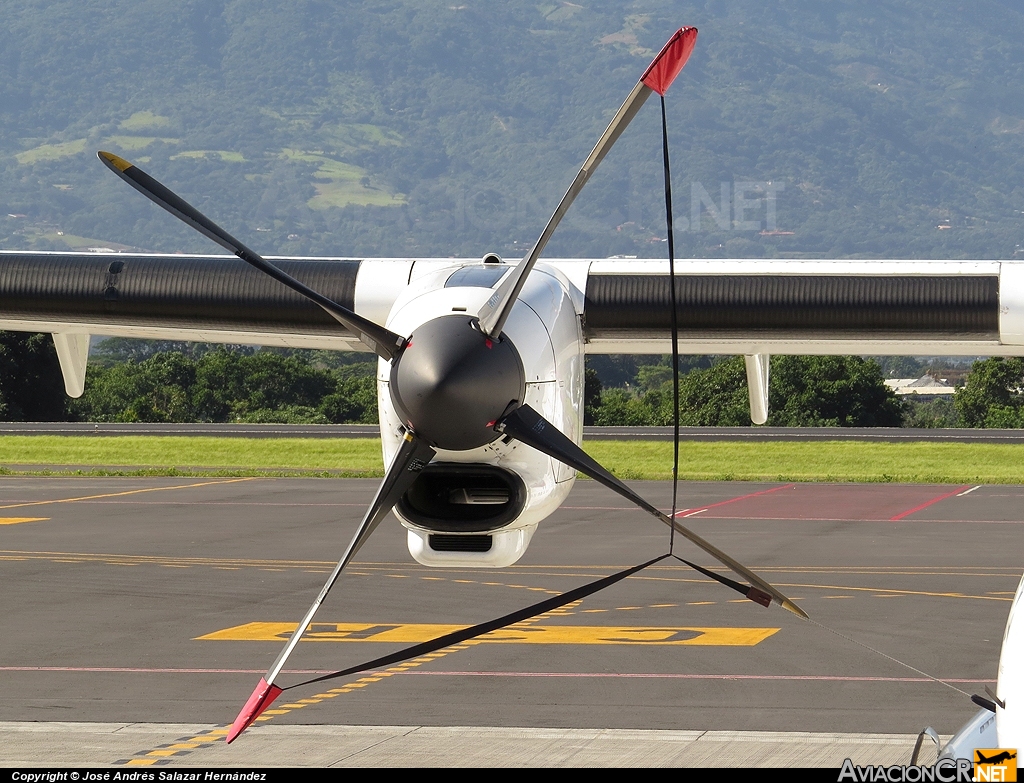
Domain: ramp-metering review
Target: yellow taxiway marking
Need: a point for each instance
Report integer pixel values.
(161, 755)
(127, 492)
(362, 682)
(19, 520)
(893, 592)
(411, 633)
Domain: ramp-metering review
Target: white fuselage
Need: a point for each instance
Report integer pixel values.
(1010, 683)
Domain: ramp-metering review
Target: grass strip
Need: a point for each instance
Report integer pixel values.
(839, 461)
(836, 461)
(180, 455)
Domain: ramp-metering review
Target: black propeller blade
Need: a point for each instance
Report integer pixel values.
(381, 341)
(526, 425)
(657, 78)
(412, 457)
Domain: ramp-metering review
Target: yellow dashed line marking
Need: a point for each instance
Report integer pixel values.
(163, 754)
(19, 520)
(127, 492)
(893, 592)
(284, 565)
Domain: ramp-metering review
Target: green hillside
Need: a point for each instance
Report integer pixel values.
(392, 127)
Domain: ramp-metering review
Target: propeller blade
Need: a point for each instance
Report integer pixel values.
(526, 425)
(381, 341)
(658, 76)
(412, 457)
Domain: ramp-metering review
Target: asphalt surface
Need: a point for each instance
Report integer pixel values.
(756, 434)
(108, 591)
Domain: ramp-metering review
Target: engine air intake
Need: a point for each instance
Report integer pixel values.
(460, 498)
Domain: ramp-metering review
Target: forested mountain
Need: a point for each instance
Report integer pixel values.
(411, 127)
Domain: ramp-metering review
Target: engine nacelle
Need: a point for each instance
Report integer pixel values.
(480, 507)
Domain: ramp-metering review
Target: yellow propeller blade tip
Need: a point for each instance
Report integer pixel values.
(117, 162)
(787, 604)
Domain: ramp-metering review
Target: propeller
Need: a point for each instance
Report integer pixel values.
(526, 425)
(413, 455)
(381, 341)
(658, 76)
(457, 382)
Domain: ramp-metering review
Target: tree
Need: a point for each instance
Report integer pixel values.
(830, 391)
(929, 414)
(230, 385)
(31, 384)
(715, 397)
(804, 391)
(591, 395)
(992, 394)
(620, 408)
(353, 400)
(158, 389)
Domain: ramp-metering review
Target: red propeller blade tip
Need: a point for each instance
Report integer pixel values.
(261, 698)
(670, 60)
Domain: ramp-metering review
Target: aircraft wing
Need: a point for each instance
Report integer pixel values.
(968, 308)
(745, 307)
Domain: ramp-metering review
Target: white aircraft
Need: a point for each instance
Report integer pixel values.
(997, 729)
(481, 363)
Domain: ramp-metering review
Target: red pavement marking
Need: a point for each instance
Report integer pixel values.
(689, 511)
(927, 503)
(857, 502)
